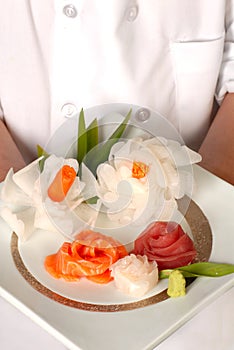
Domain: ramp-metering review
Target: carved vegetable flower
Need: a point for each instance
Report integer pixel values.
(20, 199)
(52, 200)
(143, 179)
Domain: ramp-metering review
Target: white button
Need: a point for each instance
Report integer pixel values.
(142, 115)
(131, 13)
(70, 11)
(68, 110)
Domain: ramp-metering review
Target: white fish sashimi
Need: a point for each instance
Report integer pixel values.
(135, 275)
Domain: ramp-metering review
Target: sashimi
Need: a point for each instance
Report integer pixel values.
(90, 255)
(167, 244)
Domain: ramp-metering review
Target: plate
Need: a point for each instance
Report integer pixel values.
(140, 328)
(29, 260)
(29, 256)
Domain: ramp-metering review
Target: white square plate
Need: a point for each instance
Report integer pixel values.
(137, 329)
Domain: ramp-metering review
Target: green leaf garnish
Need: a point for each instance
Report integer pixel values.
(176, 285)
(92, 200)
(41, 152)
(207, 269)
(89, 150)
(119, 131)
(92, 135)
(100, 153)
(82, 138)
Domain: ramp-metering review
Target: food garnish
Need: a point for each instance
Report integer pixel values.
(62, 183)
(139, 170)
(177, 277)
(89, 149)
(176, 284)
(206, 269)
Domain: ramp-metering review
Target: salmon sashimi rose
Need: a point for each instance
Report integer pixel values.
(90, 256)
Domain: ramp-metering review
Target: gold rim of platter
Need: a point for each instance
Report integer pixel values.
(202, 237)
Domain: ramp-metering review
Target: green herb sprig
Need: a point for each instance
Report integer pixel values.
(89, 150)
(207, 269)
(42, 153)
(177, 277)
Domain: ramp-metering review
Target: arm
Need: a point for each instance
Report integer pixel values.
(9, 153)
(217, 149)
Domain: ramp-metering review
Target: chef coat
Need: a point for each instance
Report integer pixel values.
(172, 56)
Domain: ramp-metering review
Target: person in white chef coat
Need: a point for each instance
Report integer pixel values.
(173, 56)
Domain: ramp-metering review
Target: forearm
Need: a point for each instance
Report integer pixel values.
(217, 149)
(10, 156)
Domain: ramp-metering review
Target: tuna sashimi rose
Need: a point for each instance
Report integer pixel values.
(167, 244)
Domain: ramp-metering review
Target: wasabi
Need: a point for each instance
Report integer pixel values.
(176, 284)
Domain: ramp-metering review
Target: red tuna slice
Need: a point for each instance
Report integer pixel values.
(165, 241)
(172, 262)
(182, 245)
(156, 234)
